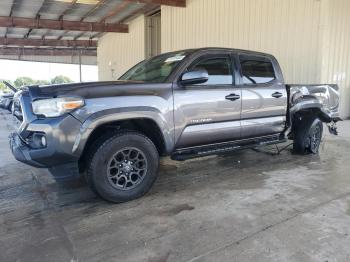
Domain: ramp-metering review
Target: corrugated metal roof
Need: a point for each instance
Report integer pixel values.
(109, 11)
(82, 10)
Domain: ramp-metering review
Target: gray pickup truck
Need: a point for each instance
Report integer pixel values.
(183, 104)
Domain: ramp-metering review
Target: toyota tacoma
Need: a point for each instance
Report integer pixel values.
(183, 104)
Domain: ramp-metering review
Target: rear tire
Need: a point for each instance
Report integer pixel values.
(307, 135)
(124, 167)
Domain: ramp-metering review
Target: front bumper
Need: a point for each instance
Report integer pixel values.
(57, 155)
(62, 167)
(59, 135)
(21, 151)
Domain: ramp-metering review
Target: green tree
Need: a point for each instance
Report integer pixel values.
(2, 86)
(61, 80)
(42, 82)
(24, 81)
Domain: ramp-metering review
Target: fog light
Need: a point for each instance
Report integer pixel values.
(38, 140)
(43, 141)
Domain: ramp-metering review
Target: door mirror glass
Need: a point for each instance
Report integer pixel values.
(194, 77)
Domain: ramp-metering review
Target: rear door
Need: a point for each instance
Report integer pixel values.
(210, 112)
(264, 96)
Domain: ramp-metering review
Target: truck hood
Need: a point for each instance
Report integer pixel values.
(93, 89)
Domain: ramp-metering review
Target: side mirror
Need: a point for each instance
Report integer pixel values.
(194, 77)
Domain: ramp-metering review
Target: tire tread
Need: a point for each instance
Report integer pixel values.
(98, 148)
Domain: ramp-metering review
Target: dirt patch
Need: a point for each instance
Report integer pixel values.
(176, 210)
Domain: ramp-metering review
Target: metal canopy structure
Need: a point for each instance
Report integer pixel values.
(66, 27)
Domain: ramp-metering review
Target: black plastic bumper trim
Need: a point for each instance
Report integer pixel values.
(21, 151)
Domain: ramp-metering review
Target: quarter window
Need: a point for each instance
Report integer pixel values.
(219, 70)
(257, 71)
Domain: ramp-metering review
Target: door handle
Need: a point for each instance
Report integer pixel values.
(232, 97)
(277, 95)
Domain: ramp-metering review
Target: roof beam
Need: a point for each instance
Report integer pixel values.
(47, 42)
(178, 3)
(11, 12)
(36, 23)
(116, 10)
(137, 12)
(71, 5)
(143, 10)
(93, 10)
(46, 52)
(61, 16)
(36, 16)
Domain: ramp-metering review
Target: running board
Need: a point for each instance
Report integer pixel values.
(222, 148)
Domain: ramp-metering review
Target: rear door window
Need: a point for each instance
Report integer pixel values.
(256, 70)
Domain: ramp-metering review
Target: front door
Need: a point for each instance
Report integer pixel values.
(210, 112)
(264, 97)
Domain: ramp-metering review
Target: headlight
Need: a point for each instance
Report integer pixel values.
(56, 106)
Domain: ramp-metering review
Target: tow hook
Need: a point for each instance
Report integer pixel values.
(332, 126)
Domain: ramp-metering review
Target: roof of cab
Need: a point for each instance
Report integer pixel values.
(218, 49)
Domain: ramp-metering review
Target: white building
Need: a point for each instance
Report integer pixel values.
(310, 38)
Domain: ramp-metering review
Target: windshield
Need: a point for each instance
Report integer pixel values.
(156, 69)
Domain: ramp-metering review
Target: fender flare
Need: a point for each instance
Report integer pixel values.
(120, 114)
(312, 105)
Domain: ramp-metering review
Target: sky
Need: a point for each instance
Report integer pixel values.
(10, 70)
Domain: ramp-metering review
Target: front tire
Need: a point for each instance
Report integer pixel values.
(124, 167)
(307, 135)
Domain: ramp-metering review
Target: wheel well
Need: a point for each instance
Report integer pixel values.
(301, 116)
(143, 125)
(306, 113)
(311, 112)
